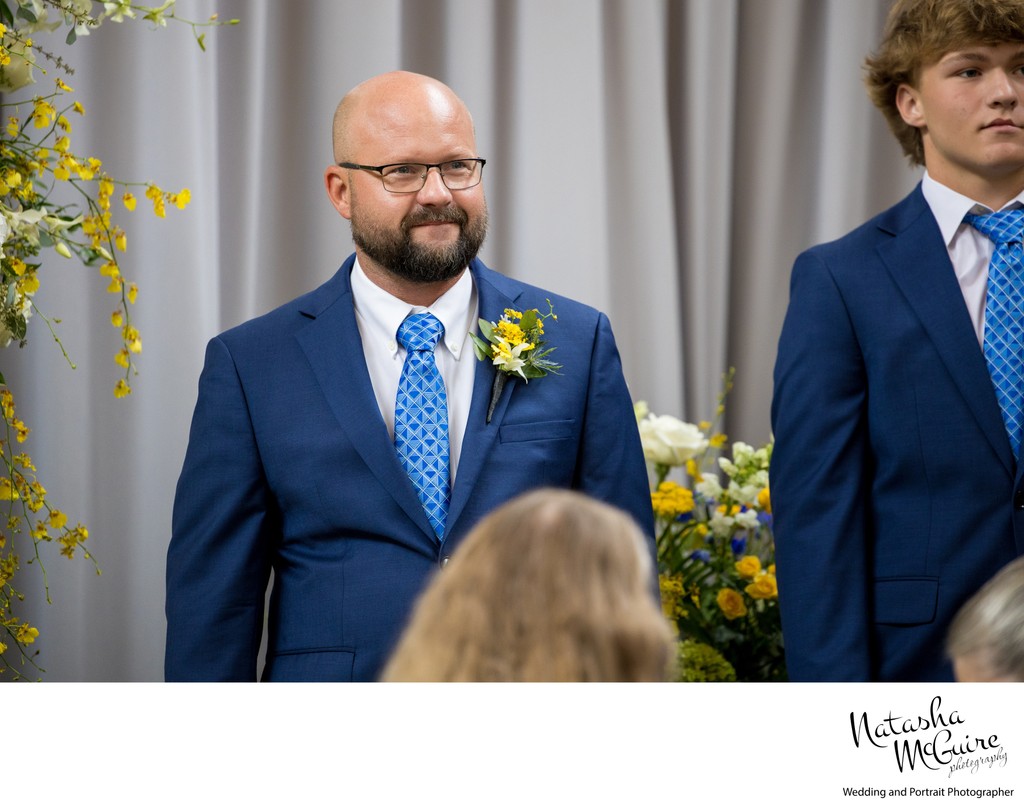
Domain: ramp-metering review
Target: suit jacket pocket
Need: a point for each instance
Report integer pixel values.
(310, 665)
(906, 601)
(538, 430)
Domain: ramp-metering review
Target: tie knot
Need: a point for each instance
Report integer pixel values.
(420, 332)
(1003, 227)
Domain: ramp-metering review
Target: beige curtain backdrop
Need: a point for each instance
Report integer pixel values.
(663, 160)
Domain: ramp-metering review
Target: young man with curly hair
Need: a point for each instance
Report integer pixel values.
(896, 483)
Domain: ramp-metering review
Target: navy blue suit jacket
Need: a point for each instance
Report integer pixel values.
(290, 469)
(893, 483)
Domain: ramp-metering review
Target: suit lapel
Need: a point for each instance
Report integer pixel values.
(333, 346)
(919, 263)
(494, 293)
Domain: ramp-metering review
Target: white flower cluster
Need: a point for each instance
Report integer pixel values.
(33, 225)
(747, 471)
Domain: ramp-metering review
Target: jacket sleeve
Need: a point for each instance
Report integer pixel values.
(821, 482)
(611, 465)
(223, 524)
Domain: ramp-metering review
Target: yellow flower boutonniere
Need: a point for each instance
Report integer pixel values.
(514, 345)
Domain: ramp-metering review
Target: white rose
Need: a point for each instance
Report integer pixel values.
(667, 441)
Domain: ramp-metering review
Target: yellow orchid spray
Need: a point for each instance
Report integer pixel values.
(39, 165)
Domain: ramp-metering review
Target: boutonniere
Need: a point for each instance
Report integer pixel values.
(514, 345)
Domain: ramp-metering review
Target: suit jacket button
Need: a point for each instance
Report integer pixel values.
(1018, 500)
(444, 561)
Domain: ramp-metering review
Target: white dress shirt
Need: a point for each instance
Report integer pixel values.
(379, 314)
(969, 250)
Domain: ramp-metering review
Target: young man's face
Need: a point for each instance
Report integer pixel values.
(968, 106)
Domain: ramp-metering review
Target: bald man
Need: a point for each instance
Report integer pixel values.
(298, 460)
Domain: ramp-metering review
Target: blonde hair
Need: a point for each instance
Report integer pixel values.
(552, 586)
(990, 626)
(920, 32)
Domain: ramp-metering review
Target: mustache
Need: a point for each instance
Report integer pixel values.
(447, 215)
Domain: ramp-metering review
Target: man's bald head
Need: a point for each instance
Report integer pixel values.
(380, 108)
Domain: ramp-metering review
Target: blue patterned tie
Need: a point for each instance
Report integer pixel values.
(1004, 314)
(421, 417)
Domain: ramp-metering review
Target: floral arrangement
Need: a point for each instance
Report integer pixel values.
(514, 346)
(38, 170)
(716, 551)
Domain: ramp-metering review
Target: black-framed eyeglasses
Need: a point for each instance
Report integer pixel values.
(409, 178)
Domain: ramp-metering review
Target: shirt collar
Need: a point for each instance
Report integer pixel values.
(950, 207)
(384, 312)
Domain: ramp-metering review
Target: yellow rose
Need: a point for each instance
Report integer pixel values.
(764, 587)
(748, 567)
(731, 603)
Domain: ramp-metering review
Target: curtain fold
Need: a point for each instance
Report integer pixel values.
(663, 160)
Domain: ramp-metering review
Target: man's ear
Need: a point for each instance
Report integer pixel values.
(338, 189)
(908, 102)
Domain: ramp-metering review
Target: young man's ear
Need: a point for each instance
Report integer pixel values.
(338, 189)
(908, 102)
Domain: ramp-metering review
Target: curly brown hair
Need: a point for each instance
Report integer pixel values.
(551, 587)
(920, 32)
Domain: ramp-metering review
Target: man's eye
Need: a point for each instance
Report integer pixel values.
(408, 169)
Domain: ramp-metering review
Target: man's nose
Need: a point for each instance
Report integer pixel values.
(1003, 90)
(434, 191)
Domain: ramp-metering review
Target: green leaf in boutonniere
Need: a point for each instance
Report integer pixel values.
(514, 345)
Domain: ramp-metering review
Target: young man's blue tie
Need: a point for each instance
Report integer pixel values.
(421, 417)
(1004, 314)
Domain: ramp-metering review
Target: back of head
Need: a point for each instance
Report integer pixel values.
(917, 34)
(988, 631)
(552, 586)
